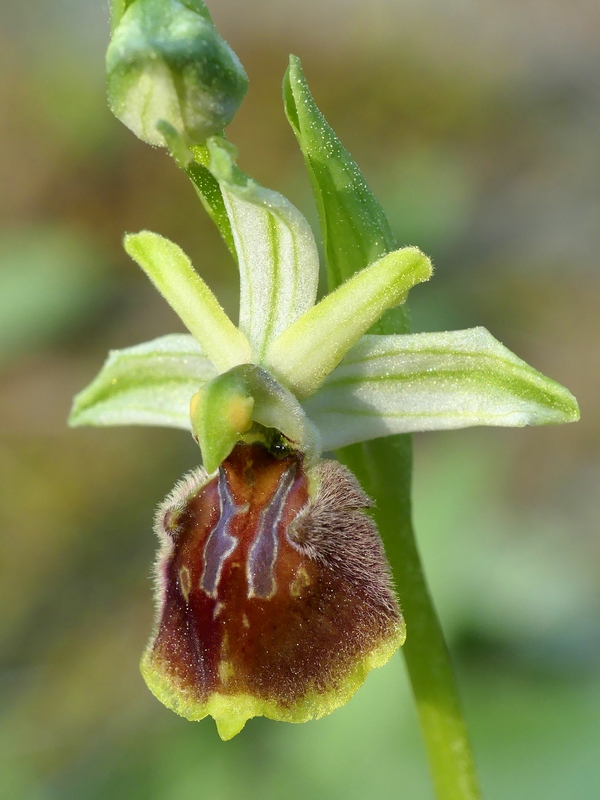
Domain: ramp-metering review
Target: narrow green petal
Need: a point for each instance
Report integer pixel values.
(354, 227)
(433, 381)
(171, 271)
(311, 348)
(149, 384)
(276, 252)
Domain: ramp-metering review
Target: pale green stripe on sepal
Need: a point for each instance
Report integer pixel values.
(149, 384)
(276, 251)
(433, 381)
(311, 348)
(171, 271)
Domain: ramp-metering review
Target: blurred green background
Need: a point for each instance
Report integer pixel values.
(477, 124)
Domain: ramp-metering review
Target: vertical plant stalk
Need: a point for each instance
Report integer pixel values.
(384, 469)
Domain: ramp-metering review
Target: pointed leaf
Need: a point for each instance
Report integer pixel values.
(355, 232)
(149, 384)
(311, 348)
(171, 271)
(433, 381)
(354, 227)
(276, 251)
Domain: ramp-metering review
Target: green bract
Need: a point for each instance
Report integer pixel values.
(309, 370)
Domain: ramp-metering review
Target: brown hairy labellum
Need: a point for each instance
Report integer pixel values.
(274, 593)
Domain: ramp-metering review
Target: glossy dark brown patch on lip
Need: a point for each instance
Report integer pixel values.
(274, 585)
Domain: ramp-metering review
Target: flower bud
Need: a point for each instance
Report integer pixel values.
(274, 592)
(167, 63)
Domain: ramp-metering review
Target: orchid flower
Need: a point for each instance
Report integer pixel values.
(304, 377)
(274, 596)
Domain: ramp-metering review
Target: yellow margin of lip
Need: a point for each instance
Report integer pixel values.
(231, 712)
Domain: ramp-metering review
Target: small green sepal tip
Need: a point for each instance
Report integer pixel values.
(166, 63)
(221, 413)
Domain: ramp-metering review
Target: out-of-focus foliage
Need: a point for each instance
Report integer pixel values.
(49, 286)
(492, 109)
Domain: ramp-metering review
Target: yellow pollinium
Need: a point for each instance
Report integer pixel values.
(239, 413)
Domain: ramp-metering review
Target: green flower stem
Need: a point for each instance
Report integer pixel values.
(384, 469)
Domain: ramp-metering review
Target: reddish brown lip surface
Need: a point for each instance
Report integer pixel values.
(274, 584)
